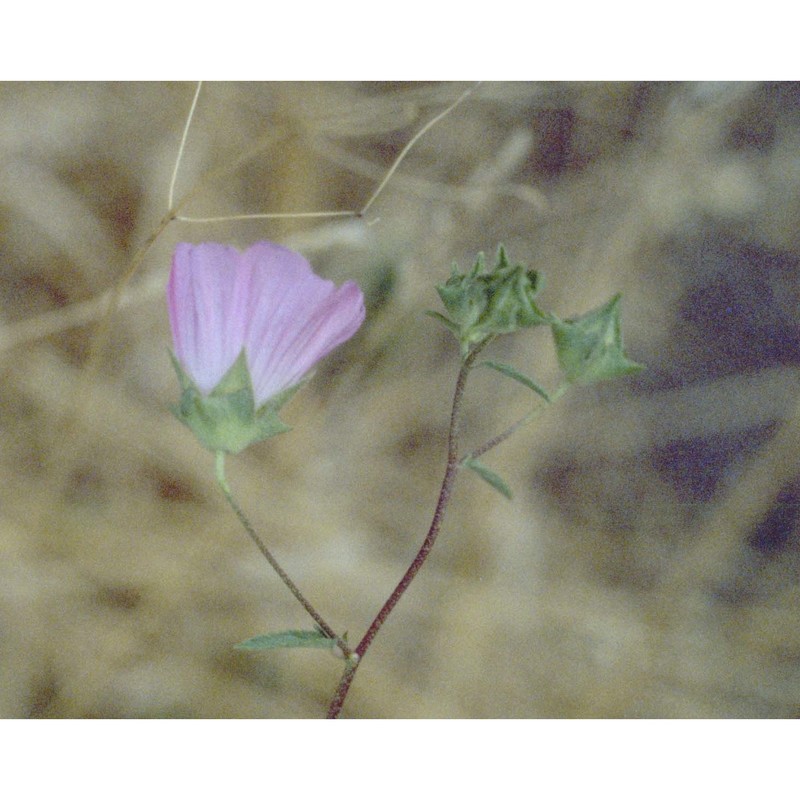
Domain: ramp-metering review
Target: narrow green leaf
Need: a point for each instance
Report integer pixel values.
(272, 641)
(492, 478)
(448, 323)
(510, 372)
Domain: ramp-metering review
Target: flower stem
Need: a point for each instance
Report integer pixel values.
(451, 471)
(290, 584)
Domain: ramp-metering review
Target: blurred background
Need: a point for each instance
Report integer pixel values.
(647, 565)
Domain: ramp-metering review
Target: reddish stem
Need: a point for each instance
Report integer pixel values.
(451, 471)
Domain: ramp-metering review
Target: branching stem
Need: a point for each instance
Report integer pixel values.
(529, 417)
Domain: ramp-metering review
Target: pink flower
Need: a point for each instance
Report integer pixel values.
(266, 301)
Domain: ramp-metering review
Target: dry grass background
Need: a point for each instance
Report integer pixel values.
(648, 563)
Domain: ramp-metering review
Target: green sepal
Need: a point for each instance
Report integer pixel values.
(449, 324)
(491, 477)
(273, 641)
(227, 419)
(510, 372)
(511, 289)
(483, 304)
(589, 347)
(464, 296)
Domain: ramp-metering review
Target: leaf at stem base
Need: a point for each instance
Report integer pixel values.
(273, 641)
(491, 477)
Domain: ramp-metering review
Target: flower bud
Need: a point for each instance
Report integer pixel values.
(484, 304)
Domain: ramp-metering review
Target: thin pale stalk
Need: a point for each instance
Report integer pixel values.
(182, 146)
(418, 135)
(280, 215)
(360, 213)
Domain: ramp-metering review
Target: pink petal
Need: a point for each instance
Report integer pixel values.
(207, 295)
(295, 318)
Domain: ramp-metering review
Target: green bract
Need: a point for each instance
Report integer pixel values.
(484, 304)
(589, 347)
(227, 419)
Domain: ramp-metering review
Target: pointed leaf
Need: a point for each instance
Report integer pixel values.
(510, 372)
(589, 347)
(492, 478)
(272, 641)
(449, 324)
